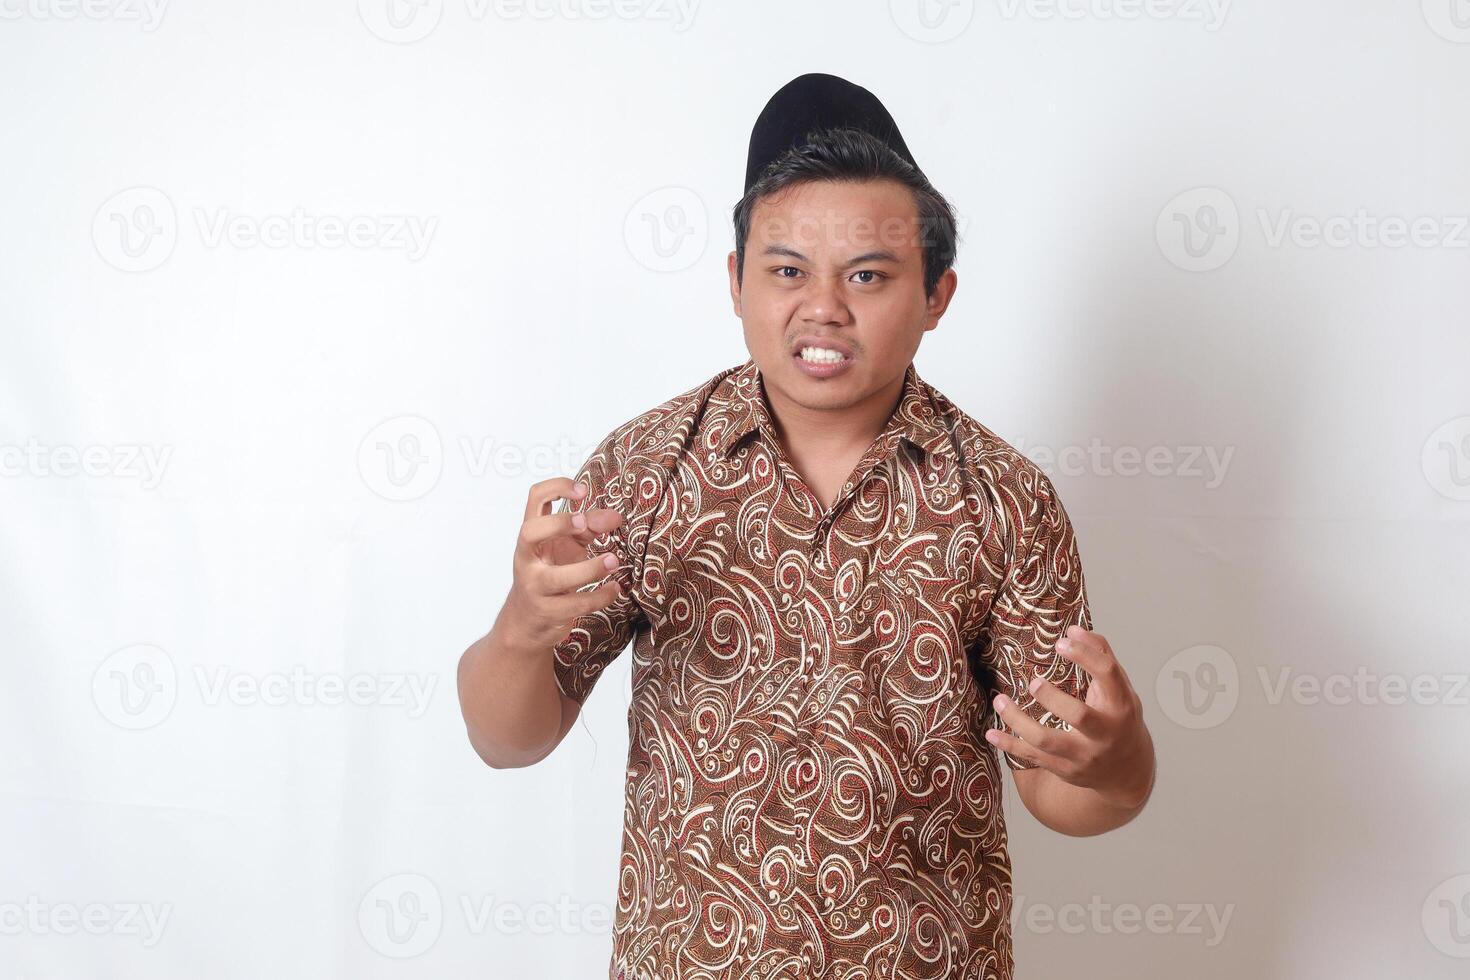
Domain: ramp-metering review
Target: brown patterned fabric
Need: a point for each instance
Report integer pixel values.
(809, 790)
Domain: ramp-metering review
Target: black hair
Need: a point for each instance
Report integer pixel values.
(846, 154)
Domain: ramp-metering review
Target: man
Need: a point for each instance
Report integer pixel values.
(847, 600)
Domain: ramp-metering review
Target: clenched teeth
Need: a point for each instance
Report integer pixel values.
(820, 355)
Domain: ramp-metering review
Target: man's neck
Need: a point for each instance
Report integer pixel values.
(807, 433)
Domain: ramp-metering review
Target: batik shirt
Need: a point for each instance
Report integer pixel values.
(809, 790)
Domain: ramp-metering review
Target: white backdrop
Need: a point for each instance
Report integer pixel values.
(297, 300)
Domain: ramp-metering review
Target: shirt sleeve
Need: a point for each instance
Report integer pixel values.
(1043, 594)
(597, 638)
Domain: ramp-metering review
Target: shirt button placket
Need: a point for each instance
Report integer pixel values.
(824, 527)
(819, 546)
(818, 555)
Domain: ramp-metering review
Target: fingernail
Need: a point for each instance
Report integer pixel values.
(1001, 702)
(1064, 644)
(991, 735)
(1035, 683)
(609, 562)
(579, 521)
(580, 489)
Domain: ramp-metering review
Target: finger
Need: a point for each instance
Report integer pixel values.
(1041, 737)
(574, 605)
(583, 525)
(544, 494)
(1092, 653)
(1060, 703)
(1013, 746)
(560, 579)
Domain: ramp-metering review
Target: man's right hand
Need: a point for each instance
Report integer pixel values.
(551, 564)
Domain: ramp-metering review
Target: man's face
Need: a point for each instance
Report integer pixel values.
(833, 296)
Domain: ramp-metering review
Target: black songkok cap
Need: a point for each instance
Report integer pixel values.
(811, 102)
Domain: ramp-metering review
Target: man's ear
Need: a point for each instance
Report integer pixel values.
(938, 301)
(732, 264)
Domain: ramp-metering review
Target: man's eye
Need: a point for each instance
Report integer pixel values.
(787, 268)
(867, 272)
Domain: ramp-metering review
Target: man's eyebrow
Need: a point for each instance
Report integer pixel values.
(878, 255)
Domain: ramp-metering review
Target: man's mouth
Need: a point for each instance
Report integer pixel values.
(821, 355)
(816, 349)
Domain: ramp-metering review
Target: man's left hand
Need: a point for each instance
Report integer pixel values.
(1108, 750)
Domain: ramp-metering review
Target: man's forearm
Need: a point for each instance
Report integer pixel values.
(1075, 810)
(511, 702)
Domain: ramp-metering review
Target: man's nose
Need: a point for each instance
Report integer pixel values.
(822, 301)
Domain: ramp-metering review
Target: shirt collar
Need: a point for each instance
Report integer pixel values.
(739, 408)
